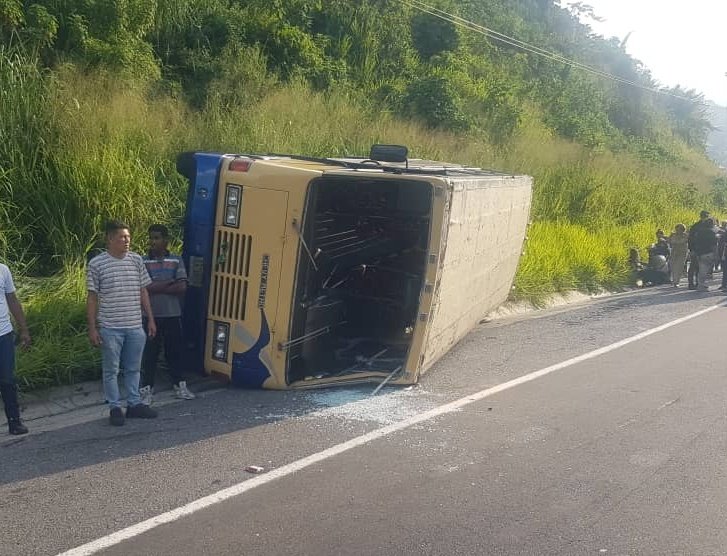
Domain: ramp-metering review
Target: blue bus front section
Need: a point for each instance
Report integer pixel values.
(202, 170)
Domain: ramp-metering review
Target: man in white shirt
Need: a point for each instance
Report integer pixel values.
(9, 305)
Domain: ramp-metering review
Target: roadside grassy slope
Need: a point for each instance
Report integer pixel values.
(111, 148)
(98, 98)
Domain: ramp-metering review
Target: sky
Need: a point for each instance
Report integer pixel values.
(681, 42)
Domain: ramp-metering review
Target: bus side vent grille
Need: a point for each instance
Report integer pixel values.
(232, 270)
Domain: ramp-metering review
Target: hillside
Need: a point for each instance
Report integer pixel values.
(97, 98)
(717, 140)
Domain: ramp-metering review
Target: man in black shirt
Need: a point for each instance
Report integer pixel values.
(702, 244)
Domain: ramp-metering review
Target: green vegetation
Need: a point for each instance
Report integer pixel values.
(98, 97)
(717, 140)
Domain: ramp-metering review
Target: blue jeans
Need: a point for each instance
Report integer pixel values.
(121, 348)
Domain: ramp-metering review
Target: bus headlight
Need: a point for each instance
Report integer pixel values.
(220, 341)
(233, 199)
(231, 217)
(221, 333)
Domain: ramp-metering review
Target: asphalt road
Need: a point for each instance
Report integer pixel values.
(623, 453)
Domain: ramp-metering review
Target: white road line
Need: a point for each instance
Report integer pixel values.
(225, 494)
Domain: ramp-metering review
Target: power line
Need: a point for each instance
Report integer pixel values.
(501, 37)
(421, 6)
(505, 38)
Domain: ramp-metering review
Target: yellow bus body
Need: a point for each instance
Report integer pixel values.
(323, 274)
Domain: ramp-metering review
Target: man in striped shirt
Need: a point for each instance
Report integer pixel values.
(116, 282)
(168, 284)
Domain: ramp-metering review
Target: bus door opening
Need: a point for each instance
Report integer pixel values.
(360, 279)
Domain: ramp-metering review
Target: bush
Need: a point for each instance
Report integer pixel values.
(435, 101)
(432, 36)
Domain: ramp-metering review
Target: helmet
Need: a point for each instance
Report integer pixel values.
(658, 262)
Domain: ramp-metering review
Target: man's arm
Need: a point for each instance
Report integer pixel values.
(16, 309)
(177, 287)
(159, 286)
(91, 310)
(146, 305)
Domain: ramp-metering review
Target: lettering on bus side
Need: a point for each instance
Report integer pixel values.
(264, 269)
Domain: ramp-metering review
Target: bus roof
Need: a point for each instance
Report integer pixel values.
(413, 166)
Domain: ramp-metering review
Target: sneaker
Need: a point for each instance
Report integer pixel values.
(116, 416)
(140, 411)
(182, 392)
(147, 395)
(17, 428)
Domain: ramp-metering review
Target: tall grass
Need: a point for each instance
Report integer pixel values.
(25, 132)
(93, 147)
(61, 353)
(74, 153)
(561, 257)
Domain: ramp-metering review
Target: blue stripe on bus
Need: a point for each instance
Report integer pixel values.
(199, 226)
(248, 371)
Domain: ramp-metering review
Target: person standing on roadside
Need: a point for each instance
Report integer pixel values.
(719, 234)
(693, 269)
(168, 285)
(678, 243)
(116, 281)
(722, 250)
(702, 243)
(10, 305)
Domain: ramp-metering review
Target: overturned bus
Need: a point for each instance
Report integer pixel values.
(310, 272)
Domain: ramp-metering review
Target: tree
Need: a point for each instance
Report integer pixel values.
(688, 113)
(432, 36)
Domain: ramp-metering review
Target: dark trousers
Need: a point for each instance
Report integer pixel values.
(693, 270)
(8, 388)
(169, 336)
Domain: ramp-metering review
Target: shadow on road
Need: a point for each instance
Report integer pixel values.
(669, 294)
(657, 295)
(229, 410)
(218, 413)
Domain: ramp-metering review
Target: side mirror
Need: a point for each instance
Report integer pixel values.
(187, 165)
(389, 153)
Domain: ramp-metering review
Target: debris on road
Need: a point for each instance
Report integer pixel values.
(254, 469)
(359, 406)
